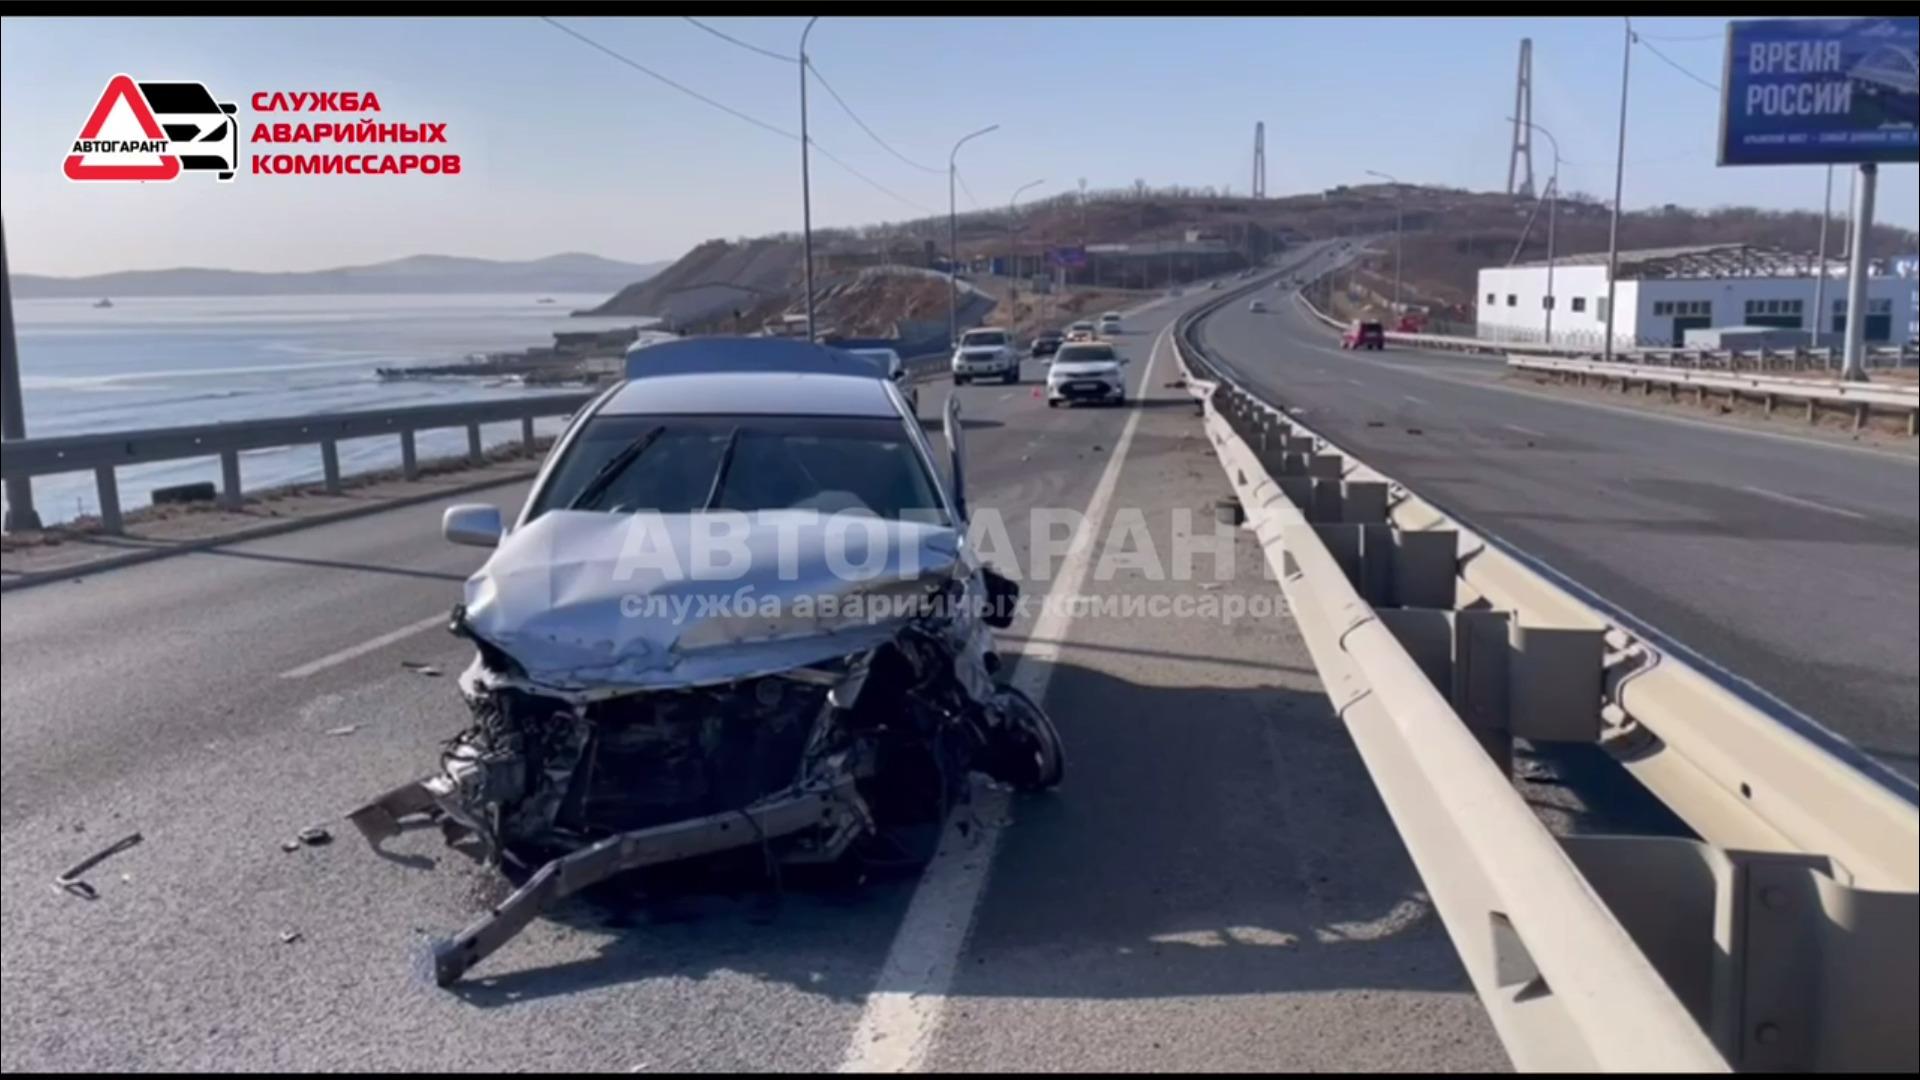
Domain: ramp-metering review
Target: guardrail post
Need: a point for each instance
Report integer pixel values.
(110, 521)
(526, 433)
(1859, 416)
(474, 454)
(409, 458)
(1770, 402)
(1811, 406)
(230, 480)
(330, 464)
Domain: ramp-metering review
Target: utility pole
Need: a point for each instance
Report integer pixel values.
(1619, 174)
(806, 192)
(13, 417)
(1854, 363)
(1820, 281)
(1397, 220)
(953, 237)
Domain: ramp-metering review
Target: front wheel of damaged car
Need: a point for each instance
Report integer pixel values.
(1030, 756)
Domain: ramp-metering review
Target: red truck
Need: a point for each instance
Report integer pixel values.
(1364, 334)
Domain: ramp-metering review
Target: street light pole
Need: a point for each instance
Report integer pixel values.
(1011, 226)
(1553, 212)
(1397, 219)
(1619, 174)
(953, 237)
(13, 416)
(806, 187)
(1853, 365)
(1820, 281)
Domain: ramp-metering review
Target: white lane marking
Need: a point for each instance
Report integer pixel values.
(1356, 382)
(1523, 430)
(1798, 501)
(902, 1014)
(365, 647)
(1415, 400)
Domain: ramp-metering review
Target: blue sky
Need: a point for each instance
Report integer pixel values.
(566, 149)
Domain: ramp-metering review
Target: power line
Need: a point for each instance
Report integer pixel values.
(743, 44)
(959, 175)
(1675, 66)
(1717, 35)
(872, 183)
(848, 109)
(731, 111)
(692, 93)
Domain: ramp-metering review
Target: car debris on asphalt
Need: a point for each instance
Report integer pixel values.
(71, 882)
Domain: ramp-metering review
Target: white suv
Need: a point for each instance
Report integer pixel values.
(986, 353)
(1086, 371)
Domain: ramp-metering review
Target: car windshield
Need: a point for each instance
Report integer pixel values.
(984, 337)
(685, 464)
(1085, 353)
(1083, 326)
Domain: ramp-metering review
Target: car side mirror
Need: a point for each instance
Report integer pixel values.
(473, 524)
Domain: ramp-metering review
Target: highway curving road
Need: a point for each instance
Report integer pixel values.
(1215, 887)
(1792, 562)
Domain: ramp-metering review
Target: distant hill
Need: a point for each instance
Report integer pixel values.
(568, 273)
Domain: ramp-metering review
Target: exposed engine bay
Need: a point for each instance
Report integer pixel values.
(609, 745)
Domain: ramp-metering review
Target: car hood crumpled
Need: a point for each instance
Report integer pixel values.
(586, 600)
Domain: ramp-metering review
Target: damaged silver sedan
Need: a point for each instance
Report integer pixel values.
(738, 610)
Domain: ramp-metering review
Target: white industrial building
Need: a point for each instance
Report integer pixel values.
(1664, 292)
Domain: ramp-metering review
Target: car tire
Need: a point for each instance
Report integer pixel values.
(1012, 377)
(959, 380)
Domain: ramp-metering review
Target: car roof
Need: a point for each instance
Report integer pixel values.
(787, 393)
(713, 355)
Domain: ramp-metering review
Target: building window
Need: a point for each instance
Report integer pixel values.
(1546, 302)
(1682, 308)
(1512, 300)
(1579, 303)
(1783, 314)
(1490, 299)
(1600, 308)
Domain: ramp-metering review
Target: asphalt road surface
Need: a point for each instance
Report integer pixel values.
(1790, 561)
(1216, 886)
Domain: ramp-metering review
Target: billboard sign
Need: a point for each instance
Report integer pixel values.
(1820, 91)
(1071, 258)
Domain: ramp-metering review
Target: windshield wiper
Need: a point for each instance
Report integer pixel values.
(615, 465)
(720, 474)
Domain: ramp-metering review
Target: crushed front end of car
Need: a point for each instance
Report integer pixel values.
(627, 714)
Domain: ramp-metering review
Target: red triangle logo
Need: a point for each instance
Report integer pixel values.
(122, 88)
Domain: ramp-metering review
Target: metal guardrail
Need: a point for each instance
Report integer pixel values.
(1859, 397)
(104, 452)
(1784, 936)
(1724, 359)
